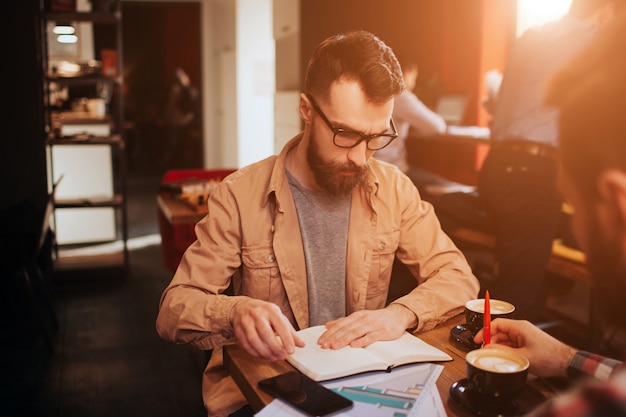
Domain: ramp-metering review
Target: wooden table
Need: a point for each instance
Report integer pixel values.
(177, 220)
(247, 371)
(177, 211)
(177, 217)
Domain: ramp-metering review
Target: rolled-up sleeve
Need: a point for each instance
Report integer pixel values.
(445, 279)
(193, 309)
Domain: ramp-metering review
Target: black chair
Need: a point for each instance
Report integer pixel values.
(27, 244)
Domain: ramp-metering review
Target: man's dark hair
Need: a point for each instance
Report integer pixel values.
(354, 56)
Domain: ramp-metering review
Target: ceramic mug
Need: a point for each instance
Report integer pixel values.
(496, 376)
(474, 312)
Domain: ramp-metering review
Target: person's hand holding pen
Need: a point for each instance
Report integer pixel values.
(548, 356)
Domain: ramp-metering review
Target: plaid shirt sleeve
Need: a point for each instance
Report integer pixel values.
(592, 399)
(586, 363)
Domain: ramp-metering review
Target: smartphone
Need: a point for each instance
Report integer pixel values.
(305, 394)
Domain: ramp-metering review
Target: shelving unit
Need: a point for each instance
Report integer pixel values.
(85, 144)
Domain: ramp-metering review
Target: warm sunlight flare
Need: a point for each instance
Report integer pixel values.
(536, 12)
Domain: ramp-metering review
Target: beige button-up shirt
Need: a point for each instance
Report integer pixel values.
(252, 232)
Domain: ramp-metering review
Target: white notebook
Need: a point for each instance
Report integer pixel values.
(324, 364)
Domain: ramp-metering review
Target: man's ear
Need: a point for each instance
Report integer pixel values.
(612, 189)
(305, 108)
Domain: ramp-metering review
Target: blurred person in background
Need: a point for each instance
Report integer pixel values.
(181, 111)
(590, 94)
(518, 181)
(410, 114)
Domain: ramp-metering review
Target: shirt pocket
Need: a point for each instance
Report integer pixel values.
(261, 277)
(383, 255)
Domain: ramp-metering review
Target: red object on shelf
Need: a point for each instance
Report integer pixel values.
(109, 62)
(60, 5)
(176, 238)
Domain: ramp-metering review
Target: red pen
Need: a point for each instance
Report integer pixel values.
(487, 321)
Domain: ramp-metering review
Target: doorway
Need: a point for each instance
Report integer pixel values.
(160, 37)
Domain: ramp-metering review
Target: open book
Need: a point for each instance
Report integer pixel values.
(323, 364)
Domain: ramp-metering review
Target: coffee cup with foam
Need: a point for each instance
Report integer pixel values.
(474, 312)
(496, 375)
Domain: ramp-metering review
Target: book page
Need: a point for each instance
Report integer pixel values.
(322, 364)
(406, 349)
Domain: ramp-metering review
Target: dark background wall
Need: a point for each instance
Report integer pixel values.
(453, 41)
(157, 38)
(22, 152)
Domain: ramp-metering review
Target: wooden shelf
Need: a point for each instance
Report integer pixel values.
(88, 140)
(82, 79)
(115, 201)
(100, 134)
(94, 17)
(89, 262)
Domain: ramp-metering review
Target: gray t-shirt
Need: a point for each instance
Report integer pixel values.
(323, 222)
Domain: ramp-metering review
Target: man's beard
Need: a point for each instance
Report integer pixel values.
(608, 271)
(329, 174)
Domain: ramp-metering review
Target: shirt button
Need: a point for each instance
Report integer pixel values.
(226, 335)
(271, 258)
(381, 245)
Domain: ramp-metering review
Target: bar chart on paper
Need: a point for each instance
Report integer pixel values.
(404, 392)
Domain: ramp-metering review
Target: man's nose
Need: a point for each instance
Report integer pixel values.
(359, 154)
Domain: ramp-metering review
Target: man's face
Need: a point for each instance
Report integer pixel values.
(599, 239)
(338, 170)
(332, 176)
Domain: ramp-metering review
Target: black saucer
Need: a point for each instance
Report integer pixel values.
(528, 399)
(462, 335)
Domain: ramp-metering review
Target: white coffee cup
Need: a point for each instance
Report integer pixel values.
(474, 311)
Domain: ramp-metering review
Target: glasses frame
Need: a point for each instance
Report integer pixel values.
(362, 137)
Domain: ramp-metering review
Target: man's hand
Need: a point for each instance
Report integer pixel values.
(548, 356)
(365, 327)
(263, 330)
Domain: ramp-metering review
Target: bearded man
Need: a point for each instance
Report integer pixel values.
(313, 233)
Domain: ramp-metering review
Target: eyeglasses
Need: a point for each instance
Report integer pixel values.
(349, 139)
